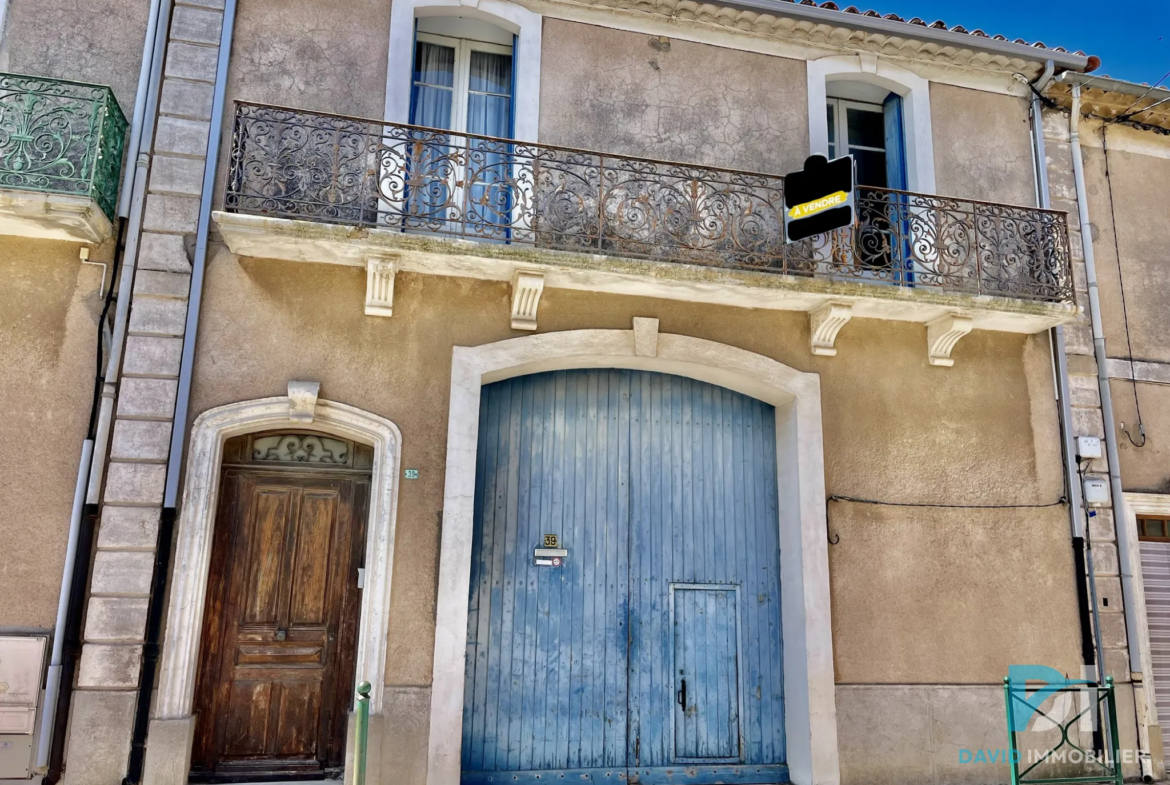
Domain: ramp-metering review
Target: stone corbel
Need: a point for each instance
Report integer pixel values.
(302, 400)
(380, 271)
(526, 290)
(823, 325)
(645, 337)
(941, 336)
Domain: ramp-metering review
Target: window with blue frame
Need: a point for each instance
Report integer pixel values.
(460, 181)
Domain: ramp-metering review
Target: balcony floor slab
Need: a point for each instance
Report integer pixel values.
(305, 241)
(48, 216)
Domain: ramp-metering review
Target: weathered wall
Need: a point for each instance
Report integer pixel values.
(919, 596)
(634, 94)
(1128, 214)
(319, 55)
(98, 41)
(1141, 193)
(1144, 469)
(982, 145)
(48, 339)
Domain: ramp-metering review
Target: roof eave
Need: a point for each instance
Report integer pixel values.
(1062, 60)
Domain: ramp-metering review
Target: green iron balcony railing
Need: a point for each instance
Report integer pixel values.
(310, 166)
(61, 137)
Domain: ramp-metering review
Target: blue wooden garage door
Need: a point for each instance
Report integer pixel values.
(653, 653)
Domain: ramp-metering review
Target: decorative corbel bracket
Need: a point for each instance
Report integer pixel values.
(941, 336)
(645, 337)
(380, 271)
(302, 400)
(527, 287)
(823, 325)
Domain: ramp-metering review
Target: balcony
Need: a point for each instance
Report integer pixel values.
(307, 186)
(60, 158)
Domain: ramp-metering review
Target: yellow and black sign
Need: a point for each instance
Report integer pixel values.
(550, 541)
(817, 205)
(819, 198)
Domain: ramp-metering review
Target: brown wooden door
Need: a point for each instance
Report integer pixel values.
(280, 627)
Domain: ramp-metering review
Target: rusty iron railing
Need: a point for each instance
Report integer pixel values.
(311, 166)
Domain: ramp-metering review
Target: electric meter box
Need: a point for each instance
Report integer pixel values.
(22, 672)
(1096, 492)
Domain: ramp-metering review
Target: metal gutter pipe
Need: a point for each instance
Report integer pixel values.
(53, 676)
(154, 622)
(1115, 488)
(199, 265)
(137, 200)
(1092, 649)
(140, 96)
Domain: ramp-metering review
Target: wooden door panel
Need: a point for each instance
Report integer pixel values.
(280, 631)
(270, 513)
(297, 720)
(246, 721)
(314, 550)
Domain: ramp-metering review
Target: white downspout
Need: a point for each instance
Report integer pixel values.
(1121, 522)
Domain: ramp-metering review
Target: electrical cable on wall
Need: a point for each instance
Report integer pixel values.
(1121, 284)
(836, 538)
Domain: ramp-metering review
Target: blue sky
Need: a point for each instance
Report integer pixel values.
(1132, 37)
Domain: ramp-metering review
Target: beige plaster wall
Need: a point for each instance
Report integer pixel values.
(629, 93)
(1144, 469)
(982, 145)
(918, 595)
(319, 55)
(48, 341)
(1140, 199)
(98, 41)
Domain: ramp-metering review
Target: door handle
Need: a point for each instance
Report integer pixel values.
(682, 695)
(281, 634)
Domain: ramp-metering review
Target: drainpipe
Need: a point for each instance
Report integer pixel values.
(1091, 647)
(53, 676)
(50, 739)
(133, 200)
(1124, 556)
(154, 622)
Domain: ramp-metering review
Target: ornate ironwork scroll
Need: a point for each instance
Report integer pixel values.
(319, 167)
(301, 448)
(61, 137)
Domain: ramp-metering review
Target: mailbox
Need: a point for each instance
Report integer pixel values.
(22, 666)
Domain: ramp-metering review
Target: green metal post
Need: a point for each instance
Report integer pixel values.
(361, 730)
(1114, 743)
(1014, 762)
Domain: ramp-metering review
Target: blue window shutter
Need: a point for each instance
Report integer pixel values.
(895, 142)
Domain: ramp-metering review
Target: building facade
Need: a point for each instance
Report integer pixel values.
(455, 347)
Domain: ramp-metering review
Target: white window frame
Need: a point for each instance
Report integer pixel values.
(841, 130)
(522, 23)
(461, 88)
(870, 69)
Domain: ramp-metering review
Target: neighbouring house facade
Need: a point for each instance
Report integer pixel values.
(455, 347)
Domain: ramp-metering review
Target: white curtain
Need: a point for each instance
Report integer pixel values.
(434, 85)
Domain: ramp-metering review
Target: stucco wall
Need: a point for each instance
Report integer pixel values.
(634, 94)
(1144, 469)
(982, 145)
(950, 596)
(48, 327)
(1141, 193)
(97, 41)
(319, 55)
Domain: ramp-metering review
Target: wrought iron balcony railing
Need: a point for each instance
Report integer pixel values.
(61, 137)
(310, 166)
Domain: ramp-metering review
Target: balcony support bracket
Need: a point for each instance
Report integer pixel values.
(380, 272)
(527, 286)
(823, 325)
(941, 336)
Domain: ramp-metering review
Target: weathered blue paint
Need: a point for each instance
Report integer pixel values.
(663, 490)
